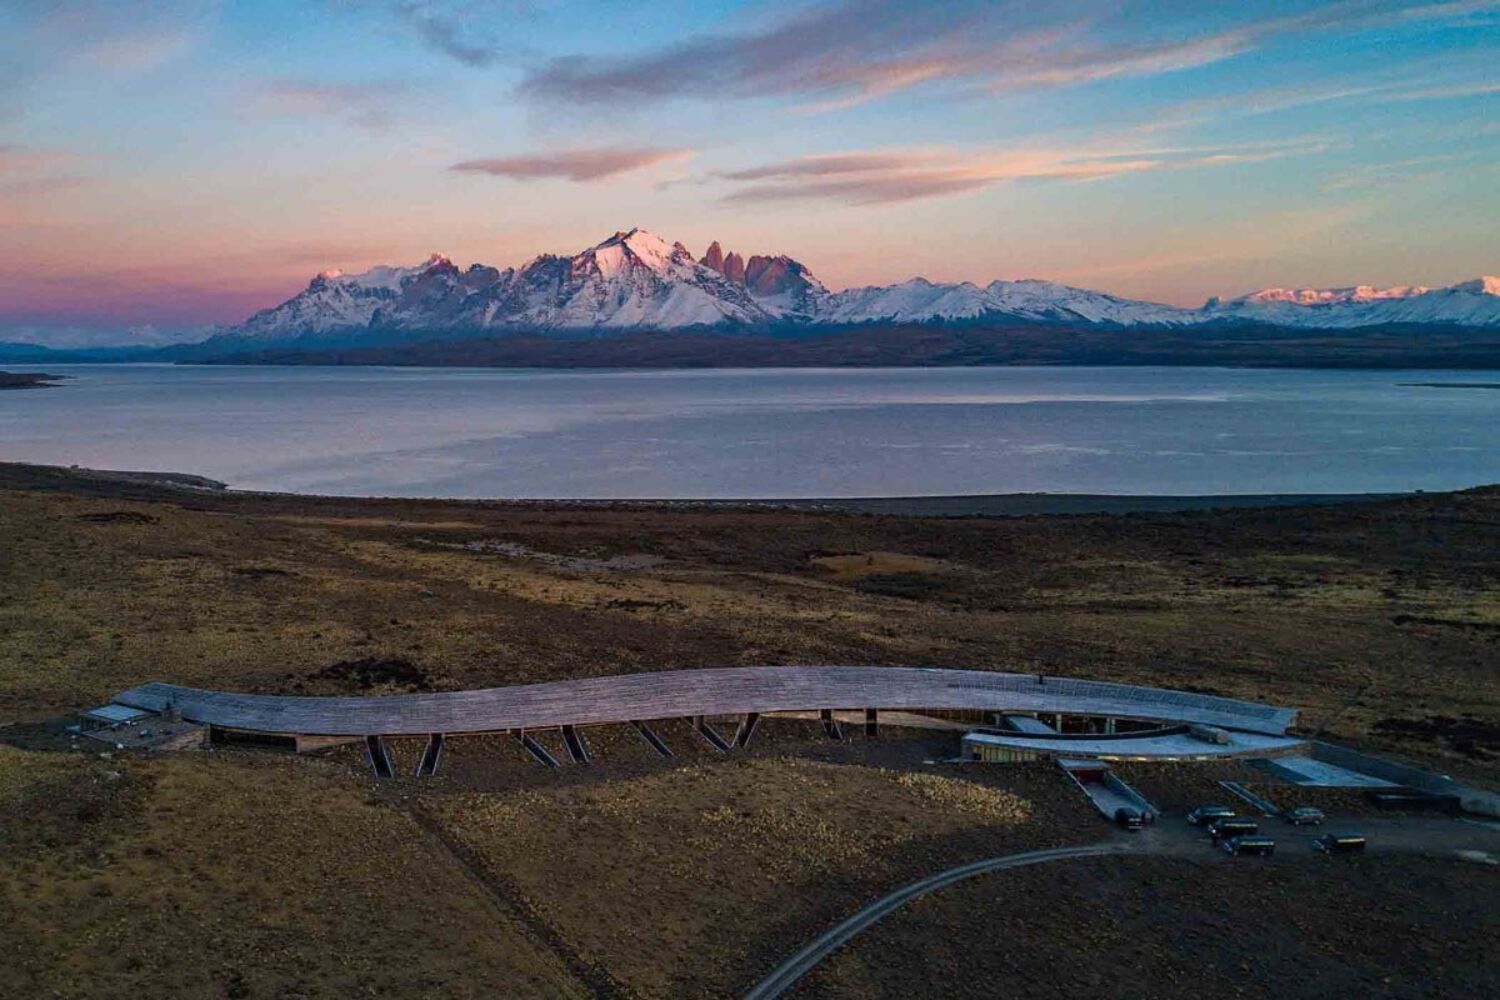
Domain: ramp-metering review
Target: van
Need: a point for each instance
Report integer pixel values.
(1204, 815)
(1227, 828)
(1263, 846)
(1339, 843)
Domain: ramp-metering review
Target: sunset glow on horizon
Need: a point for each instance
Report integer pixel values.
(168, 166)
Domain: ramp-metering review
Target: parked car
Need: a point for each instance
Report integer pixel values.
(1339, 843)
(1128, 818)
(1204, 815)
(1264, 846)
(1304, 816)
(1225, 829)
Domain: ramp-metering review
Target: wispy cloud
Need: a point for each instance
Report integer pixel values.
(1407, 85)
(26, 172)
(126, 39)
(883, 177)
(837, 54)
(461, 29)
(364, 104)
(579, 165)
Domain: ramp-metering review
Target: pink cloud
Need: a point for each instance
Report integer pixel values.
(578, 165)
(883, 177)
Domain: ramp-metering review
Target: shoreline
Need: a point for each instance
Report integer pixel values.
(27, 475)
(30, 380)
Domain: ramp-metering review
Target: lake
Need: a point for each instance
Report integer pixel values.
(766, 432)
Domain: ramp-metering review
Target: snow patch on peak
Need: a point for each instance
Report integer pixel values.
(1331, 296)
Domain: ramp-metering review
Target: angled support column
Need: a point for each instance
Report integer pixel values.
(578, 751)
(380, 759)
(650, 737)
(872, 724)
(536, 750)
(746, 730)
(427, 764)
(830, 724)
(703, 729)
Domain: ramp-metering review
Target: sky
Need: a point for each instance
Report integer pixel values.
(169, 166)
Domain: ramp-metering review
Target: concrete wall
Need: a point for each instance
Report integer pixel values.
(1474, 800)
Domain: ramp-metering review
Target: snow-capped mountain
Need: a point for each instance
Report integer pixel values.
(637, 281)
(1469, 303)
(919, 301)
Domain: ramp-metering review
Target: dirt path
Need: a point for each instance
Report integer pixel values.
(594, 978)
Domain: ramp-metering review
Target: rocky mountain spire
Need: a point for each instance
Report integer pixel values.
(714, 258)
(734, 268)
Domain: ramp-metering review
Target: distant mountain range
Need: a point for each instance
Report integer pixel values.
(636, 284)
(635, 281)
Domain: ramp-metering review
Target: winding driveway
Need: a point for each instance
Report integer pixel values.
(794, 968)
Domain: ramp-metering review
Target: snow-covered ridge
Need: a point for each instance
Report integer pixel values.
(635, 280)
(1468, 303)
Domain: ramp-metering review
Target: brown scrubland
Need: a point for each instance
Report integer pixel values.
(247, 874)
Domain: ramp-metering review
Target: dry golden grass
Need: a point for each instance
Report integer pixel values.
(691, 881)
(247, 876)
(1354, 614)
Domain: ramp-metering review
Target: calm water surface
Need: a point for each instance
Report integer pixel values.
(766, 433)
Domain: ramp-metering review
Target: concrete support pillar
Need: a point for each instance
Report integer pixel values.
(703, 729)
(432, 753)
(1109, 727)
(578, 751)
(746, 729)
(650, 737)
(830, 724)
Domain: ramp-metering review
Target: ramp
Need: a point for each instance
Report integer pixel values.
(1318, 773)
(1240, 791)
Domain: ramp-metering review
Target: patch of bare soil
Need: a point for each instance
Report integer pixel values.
(371, 673)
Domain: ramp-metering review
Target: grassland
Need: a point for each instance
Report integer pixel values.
(1154, 927)
(1381, 621)
(238, 876)
(247, 875)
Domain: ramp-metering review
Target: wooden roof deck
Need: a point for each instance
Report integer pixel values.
(707, 691)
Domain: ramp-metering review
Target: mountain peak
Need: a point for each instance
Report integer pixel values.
(1487, 284)
(637, 246)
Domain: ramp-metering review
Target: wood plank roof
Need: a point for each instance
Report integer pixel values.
(704, 691)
